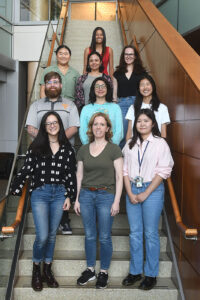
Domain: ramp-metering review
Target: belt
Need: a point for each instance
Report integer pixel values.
(92, 189)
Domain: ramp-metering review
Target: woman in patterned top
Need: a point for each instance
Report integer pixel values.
(50, 164)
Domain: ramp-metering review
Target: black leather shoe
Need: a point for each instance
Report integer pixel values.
(148, 283)
(36, 282)
(131, 279)
(48, 276)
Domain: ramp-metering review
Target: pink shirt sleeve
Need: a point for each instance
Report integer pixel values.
(125, 165)
(165, 161)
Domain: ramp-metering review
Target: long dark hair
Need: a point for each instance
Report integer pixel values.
(101, 67)
(155, 131)
(155, 101)
(93, 42)
(109, 95)
(40, 146)
(138, 66)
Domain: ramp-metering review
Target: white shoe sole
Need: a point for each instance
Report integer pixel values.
(92, 278)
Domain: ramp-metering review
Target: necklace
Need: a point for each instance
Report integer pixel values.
(53, 142)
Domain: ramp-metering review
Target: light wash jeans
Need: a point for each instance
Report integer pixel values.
(47, 207)
(144, 218)
(97, 205)
(125, 103)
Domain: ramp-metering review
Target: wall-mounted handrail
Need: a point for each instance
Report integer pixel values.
(65, 8)
(10, 229)
(122, 25)
(188, 232)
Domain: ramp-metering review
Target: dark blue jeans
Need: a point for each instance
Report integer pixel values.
(125, 103)
(97, 205)
(47, 207)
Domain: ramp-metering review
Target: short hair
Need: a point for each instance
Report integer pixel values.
(51, 75)
(109, 95)
(101, 67)
(108, 134)
(63, 46)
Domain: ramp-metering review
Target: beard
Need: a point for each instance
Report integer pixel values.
(53, 93)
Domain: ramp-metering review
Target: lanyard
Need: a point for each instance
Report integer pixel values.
(140, 161)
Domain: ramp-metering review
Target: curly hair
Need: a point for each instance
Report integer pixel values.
(138, 66)
(108, 134)
(92, 95)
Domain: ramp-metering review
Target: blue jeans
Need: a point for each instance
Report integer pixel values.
(97, 205)
(125, 103)
(144, 217)
(47, 207)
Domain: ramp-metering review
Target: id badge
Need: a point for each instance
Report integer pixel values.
(138, 181)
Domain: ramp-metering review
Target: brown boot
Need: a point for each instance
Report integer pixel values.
(49, 277)
(36, 278)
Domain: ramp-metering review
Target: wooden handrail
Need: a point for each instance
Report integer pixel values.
(189, 232)
(51, 50)
(10, 229)
(65, 6)
(122, 25)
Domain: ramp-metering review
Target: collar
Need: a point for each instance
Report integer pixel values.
(149, 139)
(58, 100)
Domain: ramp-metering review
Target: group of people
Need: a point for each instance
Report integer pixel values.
(122, 127)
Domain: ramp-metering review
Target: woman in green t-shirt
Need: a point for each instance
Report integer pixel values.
(99, 184)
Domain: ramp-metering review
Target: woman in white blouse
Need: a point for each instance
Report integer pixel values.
(147, 161)
(147, 97)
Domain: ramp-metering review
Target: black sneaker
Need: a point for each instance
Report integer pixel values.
(66, 229)
(86, 276)
(102, 280)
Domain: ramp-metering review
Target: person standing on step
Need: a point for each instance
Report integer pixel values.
(68, 74)
(68, 113)
(147, 97)
(99, 188)
(94, 69)
(125, 80)
(50, 165)
(98, 44)
(147, 161)
(101, 101)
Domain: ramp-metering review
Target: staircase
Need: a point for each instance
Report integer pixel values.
(69, 262)
(78, 36)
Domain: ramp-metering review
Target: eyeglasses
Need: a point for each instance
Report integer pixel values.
(100, 86)
(52, 82)
(51, 123)
(129, 54)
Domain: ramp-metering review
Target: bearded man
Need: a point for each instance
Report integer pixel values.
(68, 113)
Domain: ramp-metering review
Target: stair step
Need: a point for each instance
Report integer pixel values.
(77, 240)
(72, 264)
(165, 290)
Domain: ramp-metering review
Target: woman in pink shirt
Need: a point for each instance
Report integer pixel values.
(147, 161)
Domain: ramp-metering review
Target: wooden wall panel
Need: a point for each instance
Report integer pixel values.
(176, 70)
(192, 101)
(142, 26)
(192, 139)
(167, 73)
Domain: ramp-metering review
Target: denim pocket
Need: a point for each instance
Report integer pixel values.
(40, 188)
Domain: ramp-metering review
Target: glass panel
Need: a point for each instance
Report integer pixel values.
(6, 9)
(83, 11)
(6, 43)
(106, 11)
(5, 25)
(55, 9)
(34, 10)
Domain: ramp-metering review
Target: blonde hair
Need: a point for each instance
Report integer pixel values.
(108, 134)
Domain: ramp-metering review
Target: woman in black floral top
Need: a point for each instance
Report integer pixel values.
(50, 164)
